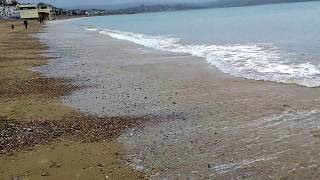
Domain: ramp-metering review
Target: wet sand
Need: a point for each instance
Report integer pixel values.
(223, 127)
(40, 138)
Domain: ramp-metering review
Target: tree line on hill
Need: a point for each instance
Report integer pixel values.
(186, 6)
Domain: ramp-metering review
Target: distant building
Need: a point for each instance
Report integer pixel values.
(11, 2)
(46, 12)
(9, 12)
(28, 11)
(8, 9)
(32, 11)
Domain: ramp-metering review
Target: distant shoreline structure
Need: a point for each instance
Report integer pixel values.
(12, 9)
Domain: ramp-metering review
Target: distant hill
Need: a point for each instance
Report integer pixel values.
(128, 8)
(216, 4)
(154, 8)
(232, 3)
(107, 7)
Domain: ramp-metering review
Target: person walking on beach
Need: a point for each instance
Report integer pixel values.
(25, 22)
(12, 27)
(42, 20)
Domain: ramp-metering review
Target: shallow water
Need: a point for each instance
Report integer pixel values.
(273, 147)
(272, 42)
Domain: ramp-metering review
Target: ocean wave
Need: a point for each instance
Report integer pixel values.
(60, 21)
(251, 61)
(91, 29)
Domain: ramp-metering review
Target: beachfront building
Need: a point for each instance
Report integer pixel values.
(46, 11)
(32, 11)
(28, 11)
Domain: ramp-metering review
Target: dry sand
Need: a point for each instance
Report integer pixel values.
(41, 138)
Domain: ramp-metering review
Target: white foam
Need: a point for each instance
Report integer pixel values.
(250, 61)
(91, 29)
(60, 21)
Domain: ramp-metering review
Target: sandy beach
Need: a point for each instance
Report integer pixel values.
(40, 137)
(103, 107)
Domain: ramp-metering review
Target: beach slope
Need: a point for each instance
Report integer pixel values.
(41, 138)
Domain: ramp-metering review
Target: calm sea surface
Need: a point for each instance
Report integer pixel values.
(272, 42)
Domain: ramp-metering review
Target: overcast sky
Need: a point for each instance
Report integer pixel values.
(109, 2)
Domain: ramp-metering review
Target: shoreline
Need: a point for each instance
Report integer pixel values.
(203, 123)
(32, 117)
(227, 127)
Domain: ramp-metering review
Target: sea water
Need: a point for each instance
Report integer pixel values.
(276, 42)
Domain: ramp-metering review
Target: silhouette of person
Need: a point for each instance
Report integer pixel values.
(25, 22)
(12, 26)
(42, 20)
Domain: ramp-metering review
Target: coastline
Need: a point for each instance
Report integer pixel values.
(210, 124)
(37, 129)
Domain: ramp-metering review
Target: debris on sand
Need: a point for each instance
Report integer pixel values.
(17, 135)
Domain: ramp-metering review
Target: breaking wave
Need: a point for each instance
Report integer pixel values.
(251, 61)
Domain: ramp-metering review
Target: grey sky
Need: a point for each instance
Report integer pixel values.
(109, 2)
